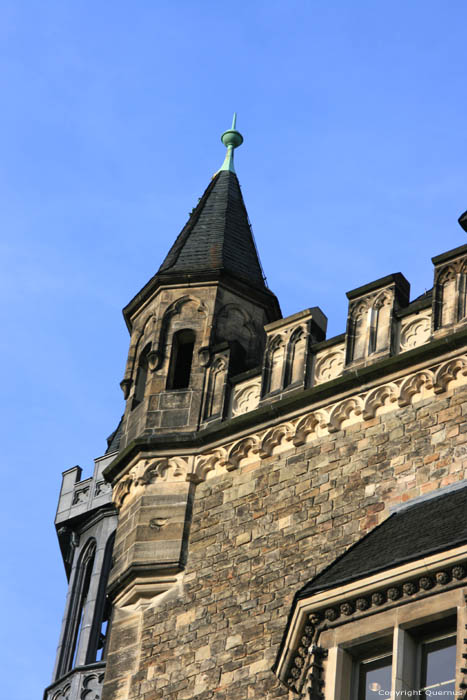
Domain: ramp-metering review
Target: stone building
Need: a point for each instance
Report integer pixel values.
(287, 512)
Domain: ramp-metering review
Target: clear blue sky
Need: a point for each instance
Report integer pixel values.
(353, 166)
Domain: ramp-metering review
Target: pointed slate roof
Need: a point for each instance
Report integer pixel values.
(217, 236)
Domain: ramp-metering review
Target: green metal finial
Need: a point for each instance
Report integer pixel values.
(231, 139)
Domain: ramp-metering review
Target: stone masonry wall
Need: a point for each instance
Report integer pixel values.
(260, 532)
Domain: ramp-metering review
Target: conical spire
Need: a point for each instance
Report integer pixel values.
(218, 236)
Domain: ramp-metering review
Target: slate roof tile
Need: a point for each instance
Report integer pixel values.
(217, 235)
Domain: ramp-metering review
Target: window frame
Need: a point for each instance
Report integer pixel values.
(308, 642)
(340, 668)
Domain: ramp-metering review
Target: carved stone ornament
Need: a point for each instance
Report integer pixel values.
(247, 398)
(158, 523)
(101, 487)
(393, 593)
(92, 687)
(147, 472)
(442, 578)
(154, 360)
(415, 332)
(331, 614)
(329, 365)
(81, 496)
(378, 598)
(62, 693)
(346, 609)
(204, 356)
(425, 583)
(125, 386)
(409, 588)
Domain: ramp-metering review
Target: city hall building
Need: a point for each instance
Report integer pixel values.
(278, 514)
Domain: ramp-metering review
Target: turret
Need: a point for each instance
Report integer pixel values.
(200, 319)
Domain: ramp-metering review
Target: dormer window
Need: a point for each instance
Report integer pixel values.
(183, 343)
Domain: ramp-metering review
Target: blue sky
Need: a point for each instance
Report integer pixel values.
(353, 167)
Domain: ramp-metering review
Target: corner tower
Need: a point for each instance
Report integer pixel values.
(197, 323)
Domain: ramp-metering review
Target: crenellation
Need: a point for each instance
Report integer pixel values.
(371, 328)
(286, 362)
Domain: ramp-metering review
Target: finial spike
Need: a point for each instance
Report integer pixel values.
(231, 139)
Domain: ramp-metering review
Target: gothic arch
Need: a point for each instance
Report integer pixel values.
(76, 611)
(276, 437)
(446, 297)
(275, 358)
(358, 331)
(296, 357)
(243, 449)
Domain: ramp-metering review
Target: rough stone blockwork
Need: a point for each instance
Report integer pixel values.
(260, 532)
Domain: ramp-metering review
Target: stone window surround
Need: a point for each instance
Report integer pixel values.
(325, 658)
(340, 664)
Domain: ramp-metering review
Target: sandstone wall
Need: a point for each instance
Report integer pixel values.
(259, 533)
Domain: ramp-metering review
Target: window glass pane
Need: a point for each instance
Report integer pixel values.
(439, 664)
(375, 679)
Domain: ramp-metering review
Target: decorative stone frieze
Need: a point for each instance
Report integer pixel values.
(145, 472)
(324, 421)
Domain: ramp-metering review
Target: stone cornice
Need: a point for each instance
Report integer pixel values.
(330, 396)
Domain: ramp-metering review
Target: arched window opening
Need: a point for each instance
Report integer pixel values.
(78, 607)
(141, 377)
(462, 295)
(100, 627)
(447, 298)
(183, 343)
(296, 359)
(359, 328)
(276, 362)
(373, 322)
(215, 394)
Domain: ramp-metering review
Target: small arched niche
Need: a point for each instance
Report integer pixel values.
(141, 377)
(183, 343)
(296, 358)
(447, 297)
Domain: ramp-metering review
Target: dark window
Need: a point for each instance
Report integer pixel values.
(78, 608)
(183, 343)
(102, 612)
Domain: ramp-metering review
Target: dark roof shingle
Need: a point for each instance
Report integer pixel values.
(217, 235)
